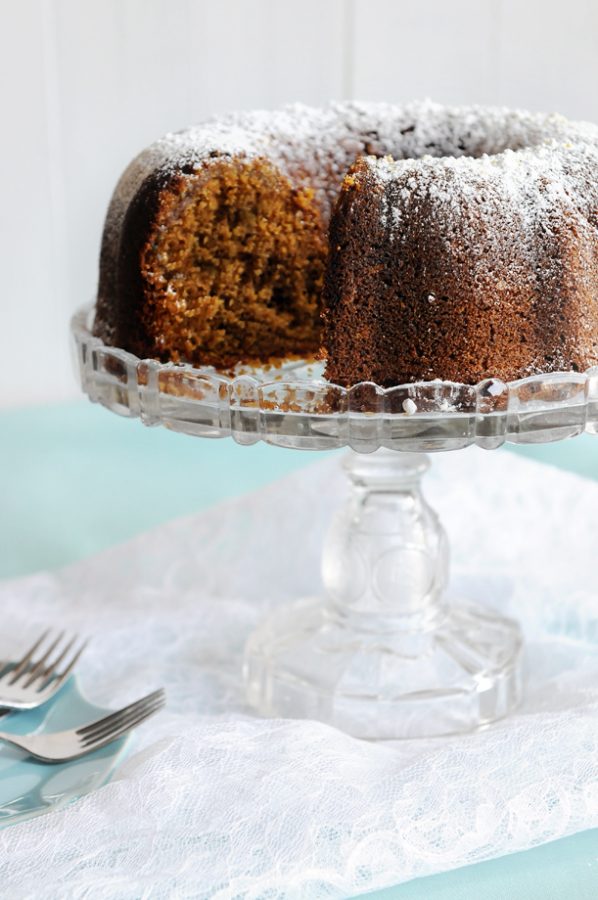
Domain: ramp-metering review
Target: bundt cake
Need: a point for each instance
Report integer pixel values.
(463, 243)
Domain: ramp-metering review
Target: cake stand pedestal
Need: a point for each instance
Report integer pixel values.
(382, 654)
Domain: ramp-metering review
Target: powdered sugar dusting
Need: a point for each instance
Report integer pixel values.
(513, 162)
(318, 146)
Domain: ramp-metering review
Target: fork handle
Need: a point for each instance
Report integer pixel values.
(18, 740)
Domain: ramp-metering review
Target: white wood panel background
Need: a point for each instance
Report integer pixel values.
(85, 84)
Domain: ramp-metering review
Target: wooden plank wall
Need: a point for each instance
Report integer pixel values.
(85, 84)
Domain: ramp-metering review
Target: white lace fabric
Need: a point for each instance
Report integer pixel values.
(215, 802)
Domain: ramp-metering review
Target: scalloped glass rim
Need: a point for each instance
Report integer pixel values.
(294, 406)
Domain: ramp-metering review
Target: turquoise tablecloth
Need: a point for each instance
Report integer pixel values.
(75, 479)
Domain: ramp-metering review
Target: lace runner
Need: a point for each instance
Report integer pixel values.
(213, 802)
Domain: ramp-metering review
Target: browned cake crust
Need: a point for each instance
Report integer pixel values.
(472, 254)
(418, 288)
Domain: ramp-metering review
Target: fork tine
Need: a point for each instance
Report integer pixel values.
(66, 672)
(119, 712)
(111, 732)
(38, 668)
(121, 719)
(51, 667)
(24, 662)
(125, 727)
(51, 672)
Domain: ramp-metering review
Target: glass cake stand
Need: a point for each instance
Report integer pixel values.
(381, 654)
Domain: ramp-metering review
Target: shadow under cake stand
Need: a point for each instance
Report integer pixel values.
(381, 654)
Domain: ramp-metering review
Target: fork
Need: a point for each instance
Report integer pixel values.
(30, 682)
(61, 746)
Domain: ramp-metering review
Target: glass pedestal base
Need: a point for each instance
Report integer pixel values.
(459, 675)
(383, 654)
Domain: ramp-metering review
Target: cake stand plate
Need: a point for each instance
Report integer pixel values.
(382, 653)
